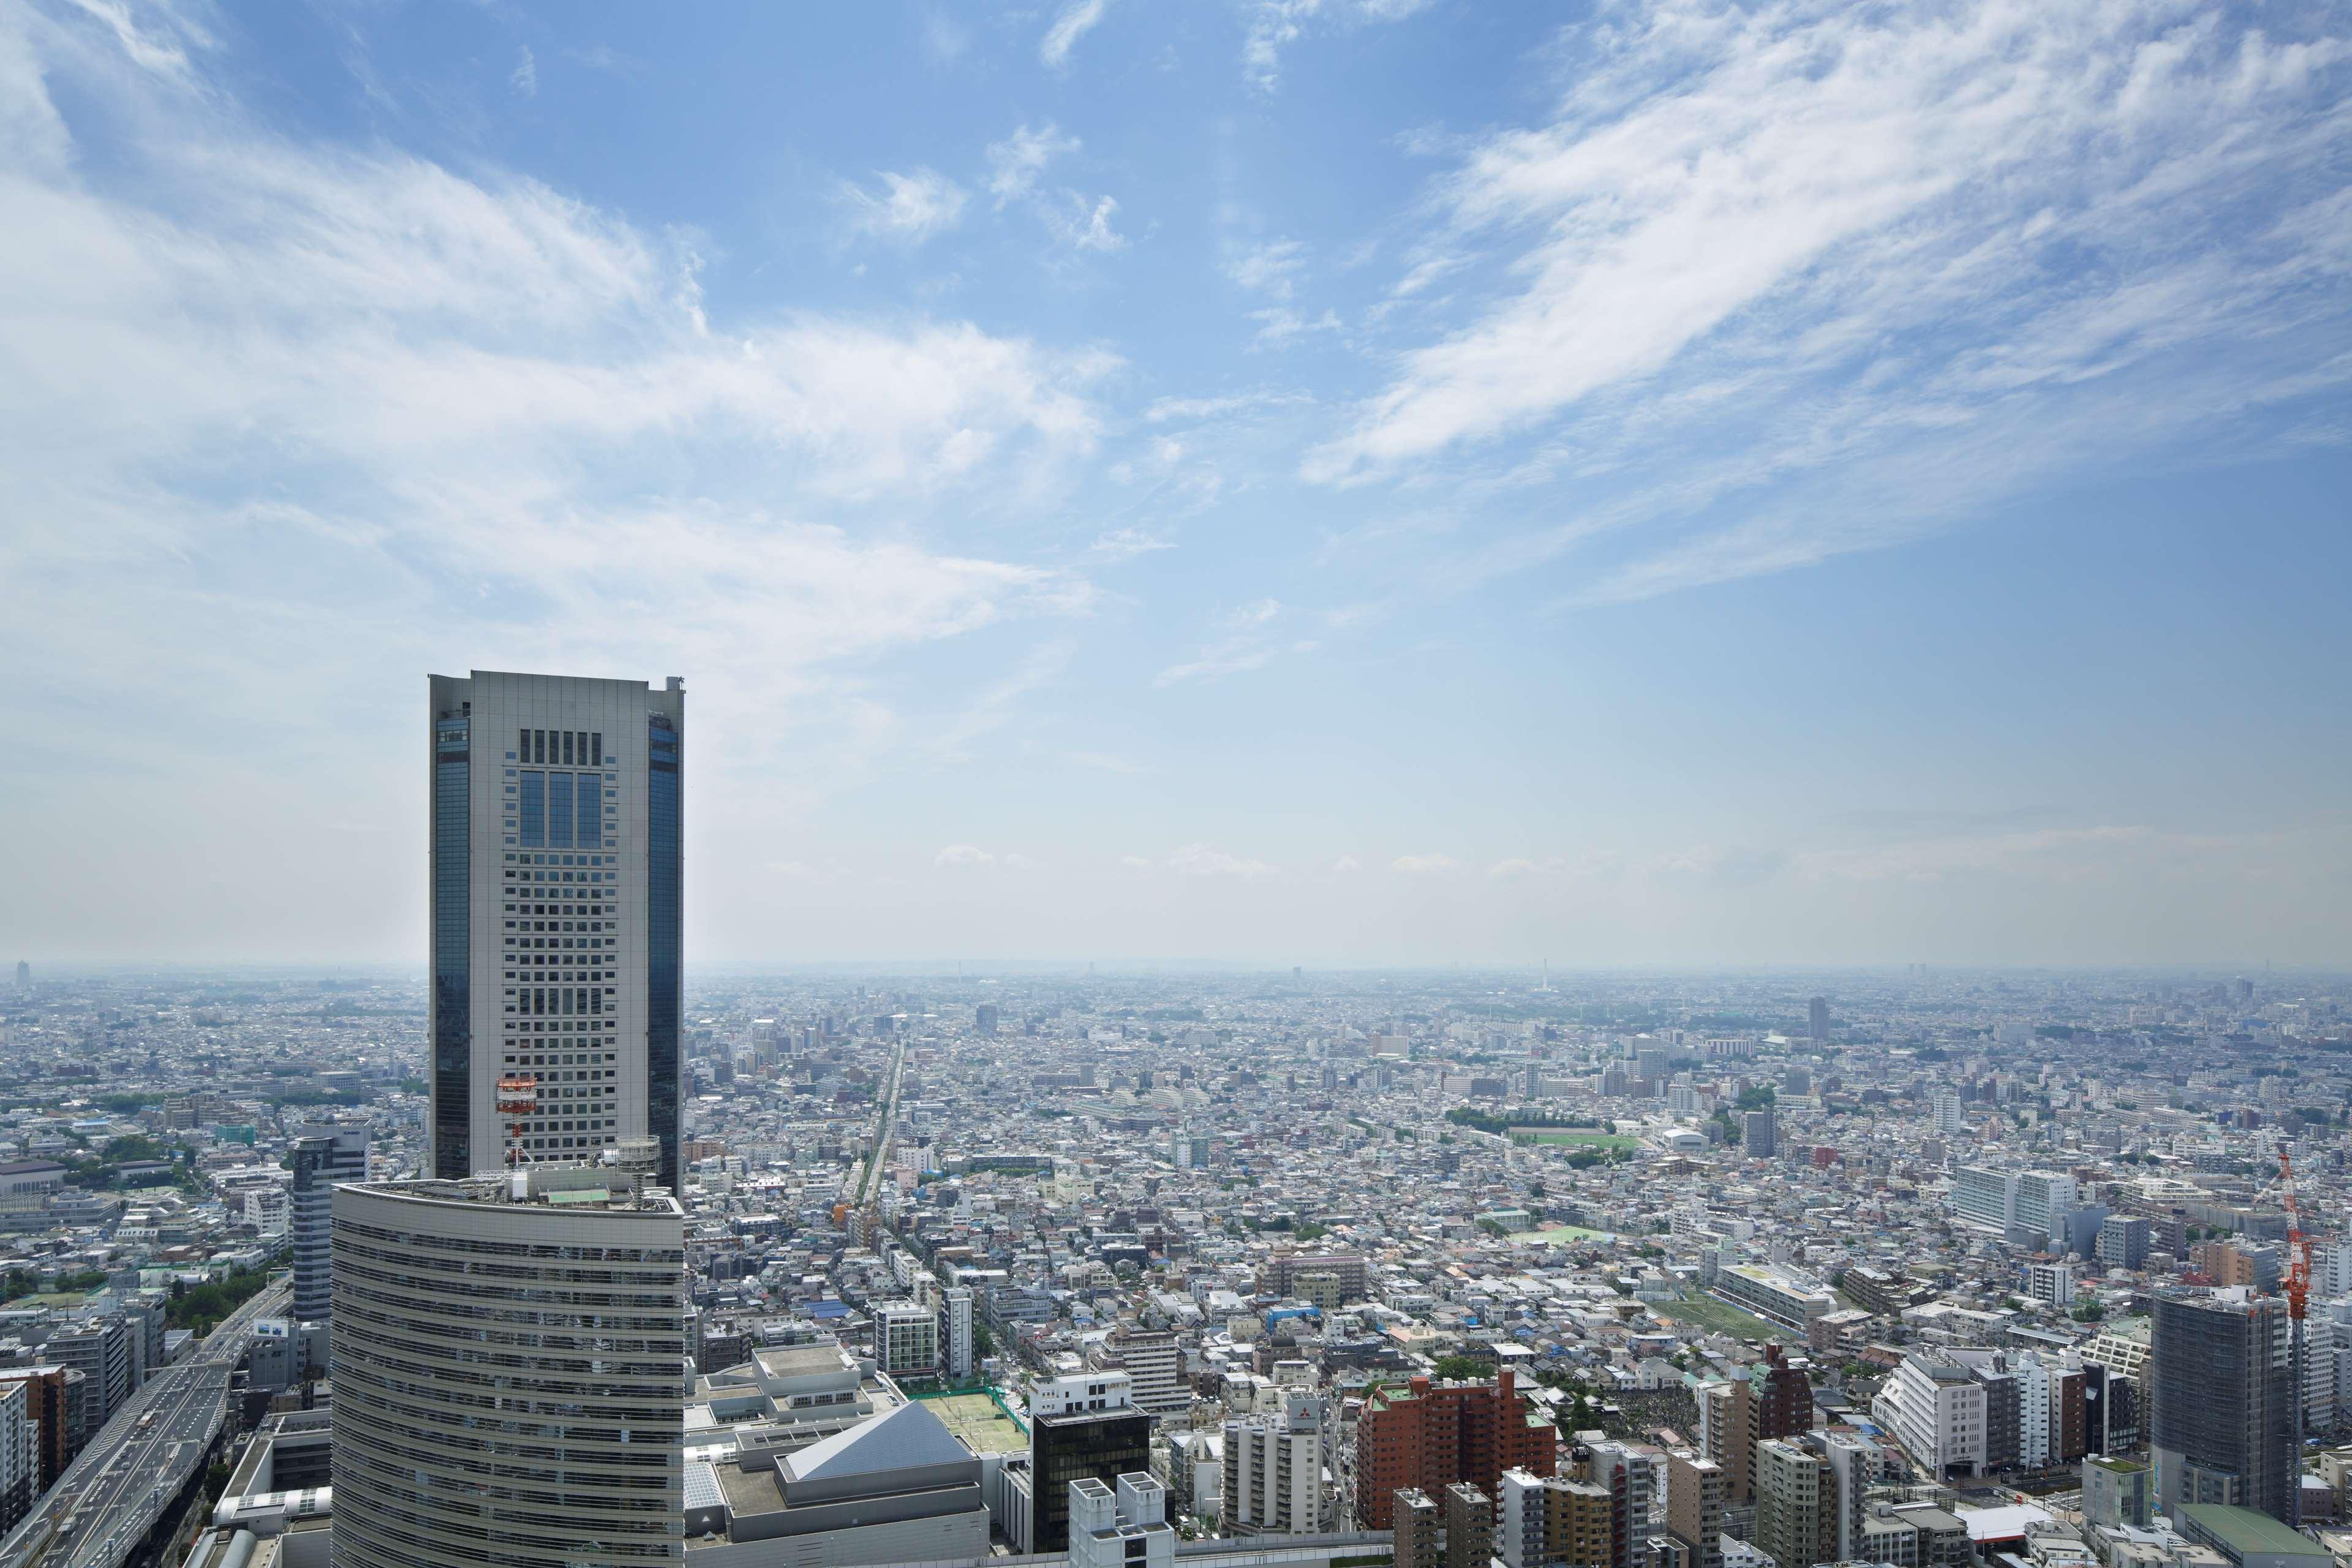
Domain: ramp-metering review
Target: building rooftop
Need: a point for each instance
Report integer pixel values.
(2244, 1529)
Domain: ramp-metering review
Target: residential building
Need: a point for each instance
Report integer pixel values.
(1469, 1527)
(1431, 1436)
(1280, 1471)
(2122, 1242)
(554, 847)
(1695, 1496)
(962, 1362)
(1629, 1472)
(1936, 1409)
(1418, 1526)
(907, 1340)
(2117, 1491)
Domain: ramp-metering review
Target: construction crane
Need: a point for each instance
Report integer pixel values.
(2296, 1287)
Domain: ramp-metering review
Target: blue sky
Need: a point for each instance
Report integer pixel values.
(1354, 481)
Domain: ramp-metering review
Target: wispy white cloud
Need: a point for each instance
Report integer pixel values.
(1193, 409)
(1075, 20)
(998, 703)
(907, 209)
(1247, 639)
(1015, 163)
(1861, 250)
(964, 855)
(1126, 543)
(1272, 26)
(1206, 860)
(1083, 223)
(1347, 863)
(1422, 865)
(525, 77)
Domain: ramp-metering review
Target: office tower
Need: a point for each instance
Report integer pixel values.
(322, 1156)
(1694, 1489)
(1417, 1521)
(509, 1356)
(1126, 1527)
(1759, 1135)
(984, 1019)
(1469, 1527)
(2222, 1427)
(24, 975)
(1818, 1015)
(554, 845)
(2122, 1242)
(1429, 1436)
(1946, 1112)
(957, 1309)
(1085, 1427)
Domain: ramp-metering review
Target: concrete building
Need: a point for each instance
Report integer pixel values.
(321, 1157)
(1759, 1135)
(555, 1299)
(2247, 1538)
(955, 1312)
(1695, 1496)
(1551, 1519)
(554, 846)
(1280, 1471)
(907, 1340)
(2122, 1242)
(2220, 1429)
(1788, 1297)
(1431, 1436)
(1629, 1473)
(1774, 1400)
(1081, 1427)
(1418, 1526)
(1790, 1507)
(1123, 1524)
(1936, 1409)
(898, 1487)
(1469, 1527)
(2118, 1491)
(1153, 1362)
(20, 1453)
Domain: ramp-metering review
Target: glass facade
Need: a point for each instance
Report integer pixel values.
(559, 810)
(664, 938)
(534, 811)
(589, 828)
(1099, 1445)
(453, 1035)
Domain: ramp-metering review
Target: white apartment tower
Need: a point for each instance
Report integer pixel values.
(957, 1309)
(1277, 1471)
(554, 846)
(508, 1355)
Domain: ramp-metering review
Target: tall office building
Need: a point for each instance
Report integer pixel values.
(2222, 1429)
(555, 845)
(509, 1356)
(1759, 1135)
(322, 1156)
(1818, 1012)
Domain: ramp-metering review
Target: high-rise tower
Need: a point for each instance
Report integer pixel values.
(555, 846)
(322, 1157)
(2222, 1428)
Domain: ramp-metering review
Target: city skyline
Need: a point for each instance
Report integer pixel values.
(1352, 484)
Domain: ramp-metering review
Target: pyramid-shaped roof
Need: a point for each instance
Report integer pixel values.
(906, 1438)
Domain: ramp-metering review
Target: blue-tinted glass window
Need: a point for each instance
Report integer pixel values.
(587, 815)
(534, 809)
(559, 810)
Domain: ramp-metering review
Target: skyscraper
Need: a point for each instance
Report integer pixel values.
(1759, 1133)
(508, 1356)
(1819, 1017)
(322, 1156)
(555, 842)
(2221, 1430)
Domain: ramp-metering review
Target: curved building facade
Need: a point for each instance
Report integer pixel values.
(509, 1362)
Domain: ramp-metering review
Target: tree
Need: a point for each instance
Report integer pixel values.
(1464, 1368)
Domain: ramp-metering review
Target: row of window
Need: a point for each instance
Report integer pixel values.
(558, 810)
(562, 748)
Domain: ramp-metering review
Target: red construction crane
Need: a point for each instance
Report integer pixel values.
(2296, 1287)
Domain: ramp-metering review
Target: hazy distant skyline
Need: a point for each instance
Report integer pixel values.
(1339, 483)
